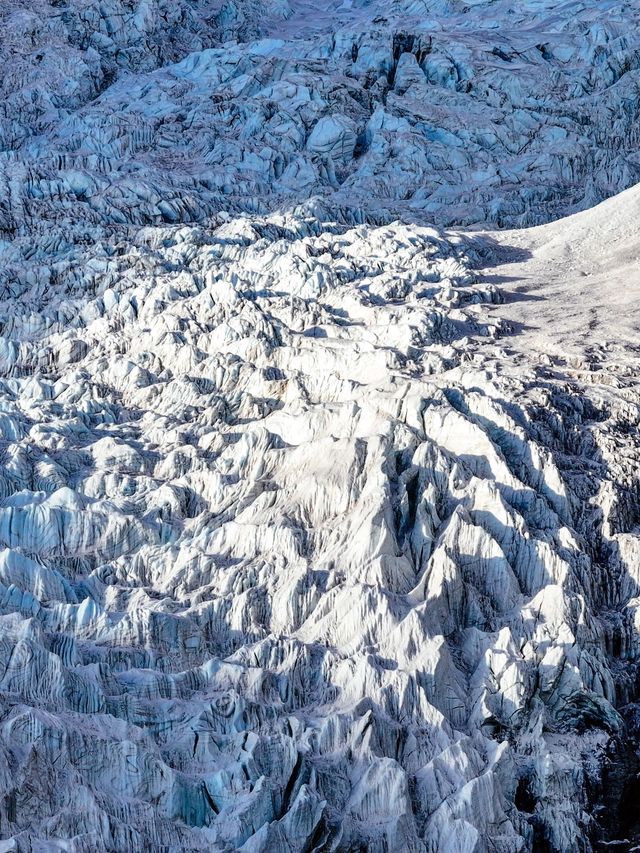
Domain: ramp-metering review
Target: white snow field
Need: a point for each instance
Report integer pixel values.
(319, 493)
(574, 286)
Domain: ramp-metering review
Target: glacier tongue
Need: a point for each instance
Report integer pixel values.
(318, 522)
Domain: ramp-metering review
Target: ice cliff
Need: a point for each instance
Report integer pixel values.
(300, 549)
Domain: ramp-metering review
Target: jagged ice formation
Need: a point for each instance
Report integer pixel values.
(306, 545)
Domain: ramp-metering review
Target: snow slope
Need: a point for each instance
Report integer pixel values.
(576, 286)
(318, 521)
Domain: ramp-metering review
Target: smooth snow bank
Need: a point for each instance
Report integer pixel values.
(575, 288)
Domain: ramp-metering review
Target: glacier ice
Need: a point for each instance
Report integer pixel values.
(302, 548)
(287, 563)
(134, 113)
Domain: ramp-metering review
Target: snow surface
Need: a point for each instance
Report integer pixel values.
(574, 287)
(318, 520)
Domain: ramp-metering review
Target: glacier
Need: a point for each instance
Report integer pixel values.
(319, 497)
